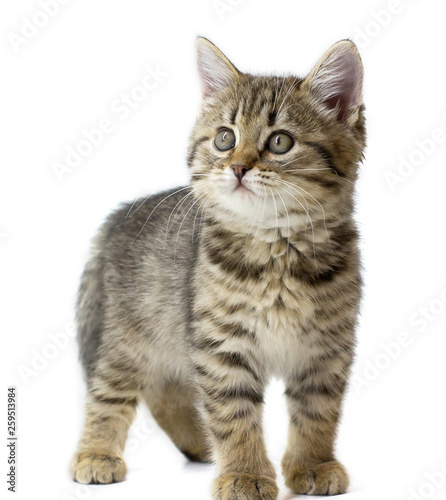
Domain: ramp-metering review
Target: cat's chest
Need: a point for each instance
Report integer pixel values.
(258, 289)
(283, 307)
(281, 300)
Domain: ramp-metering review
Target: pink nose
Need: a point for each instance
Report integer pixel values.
(239, 171)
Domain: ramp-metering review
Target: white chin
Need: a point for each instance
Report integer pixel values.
(240, 200)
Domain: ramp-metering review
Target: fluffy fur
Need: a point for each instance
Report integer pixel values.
(194, 298)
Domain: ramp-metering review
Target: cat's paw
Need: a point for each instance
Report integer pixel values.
(97, 468)
(245, 487)
(327, 478)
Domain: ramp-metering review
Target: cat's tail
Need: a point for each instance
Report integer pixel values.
(90, 308)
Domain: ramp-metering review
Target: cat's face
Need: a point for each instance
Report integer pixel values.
(278, 151)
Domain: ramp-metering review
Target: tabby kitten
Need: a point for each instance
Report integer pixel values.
(194, 298)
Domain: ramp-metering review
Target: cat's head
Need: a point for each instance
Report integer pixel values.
(278, 150)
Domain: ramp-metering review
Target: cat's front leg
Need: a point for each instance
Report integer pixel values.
(232, 392)
(314, 397)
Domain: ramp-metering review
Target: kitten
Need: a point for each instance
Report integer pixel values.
(194, 298)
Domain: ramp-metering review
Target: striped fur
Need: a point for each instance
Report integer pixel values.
(194, 298)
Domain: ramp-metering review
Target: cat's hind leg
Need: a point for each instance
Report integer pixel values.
(173, 406)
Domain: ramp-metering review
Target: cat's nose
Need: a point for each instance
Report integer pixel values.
(239, 171)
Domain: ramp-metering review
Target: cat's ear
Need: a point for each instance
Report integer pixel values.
(337, 79)
(215, 70)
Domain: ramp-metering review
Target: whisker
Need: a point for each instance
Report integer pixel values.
(258, 225)
(292, 186)
(320, 206)
(150, 215)
(181, 225)
(308, 169)
(203, 204)
(133, 204)
(203, 214)
(293, 160)
(308, 215)
(288, 217)
(140, 205)
(316, 169)
(255, 215)
(311, 196)
(277, 220)
(178, 205)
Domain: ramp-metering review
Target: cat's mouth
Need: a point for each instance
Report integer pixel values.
(242, 187)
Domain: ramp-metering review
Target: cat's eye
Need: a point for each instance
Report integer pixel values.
(224, 140)
(280, 143)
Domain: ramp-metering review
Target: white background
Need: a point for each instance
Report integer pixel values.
(65, 78)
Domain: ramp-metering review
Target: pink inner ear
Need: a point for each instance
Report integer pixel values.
(207, 85)
(350, 90)
(339, 81)
(215, 72)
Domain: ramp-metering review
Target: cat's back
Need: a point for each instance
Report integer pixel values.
(151, 230)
